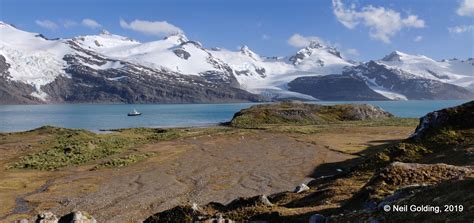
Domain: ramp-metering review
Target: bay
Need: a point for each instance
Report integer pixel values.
(95, 117)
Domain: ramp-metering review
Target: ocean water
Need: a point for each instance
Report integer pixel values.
(97, 117)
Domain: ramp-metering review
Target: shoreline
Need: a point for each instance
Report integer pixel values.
(94, 117)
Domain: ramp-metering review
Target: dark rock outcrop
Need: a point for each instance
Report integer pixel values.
(399, 81)
(335, 88)
(73, 217)
(13, 92)
(459, 117)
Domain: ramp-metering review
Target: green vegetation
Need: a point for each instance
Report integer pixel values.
(313, 129)
(124, 161)
(60, 147)
(401, 152)
(66, 147)
(304, 114)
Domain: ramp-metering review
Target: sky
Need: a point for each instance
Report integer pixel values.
(361, 29)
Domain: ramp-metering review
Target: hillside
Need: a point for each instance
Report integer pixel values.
(432, 168)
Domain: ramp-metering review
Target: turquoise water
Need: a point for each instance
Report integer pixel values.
(107, 116)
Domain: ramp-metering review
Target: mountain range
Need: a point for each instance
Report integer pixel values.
(116, 69)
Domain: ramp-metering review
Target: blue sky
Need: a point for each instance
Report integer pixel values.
(361, 29)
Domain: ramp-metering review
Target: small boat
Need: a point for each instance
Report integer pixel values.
(134, 113)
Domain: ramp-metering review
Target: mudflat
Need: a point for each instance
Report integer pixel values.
(217, 164)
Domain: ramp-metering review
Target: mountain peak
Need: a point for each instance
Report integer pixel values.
(179, 38)
(4, 24)
(244, 48)
(394, 56)
(315, 45)
(105, 32)
(246, 51)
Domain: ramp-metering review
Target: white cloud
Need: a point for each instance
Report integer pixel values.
(156, 28)
(47, 24)
(299, 41)
(266, 37)
(466, 8)
(461, 29)
(382, 23)
(90, 23)
(352, 52)
(68, 23)
(418, 38)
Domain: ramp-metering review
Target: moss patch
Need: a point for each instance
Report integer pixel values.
(67, 147)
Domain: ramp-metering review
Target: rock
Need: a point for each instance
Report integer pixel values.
(406, 83)
(220, 219)
(335, 87)
(256, 201)
(301, 188)
(317, 218)
(459, 117)
(77, 217)
(264, 200)
(23, 221)
(185, 213)
(47, 217)
(181, 53)
(195, 207)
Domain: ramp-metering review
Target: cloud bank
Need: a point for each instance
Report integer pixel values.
(47, 24)
(461, 29)
(155, 28)
(383, 23)
(90, 23)
(299, 41)
(466, 8)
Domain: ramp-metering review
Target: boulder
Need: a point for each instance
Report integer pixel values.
(47, 217)
(77, 217)
(301, 188)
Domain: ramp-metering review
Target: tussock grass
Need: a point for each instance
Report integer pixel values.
(67, 147)
(61, 147)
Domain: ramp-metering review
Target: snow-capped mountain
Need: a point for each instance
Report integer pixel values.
(319, 58)
(174, 53)
(113, 68)
(91, 69)
(243, 68)
(33, 59)
(458, 72)
(398, 84)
